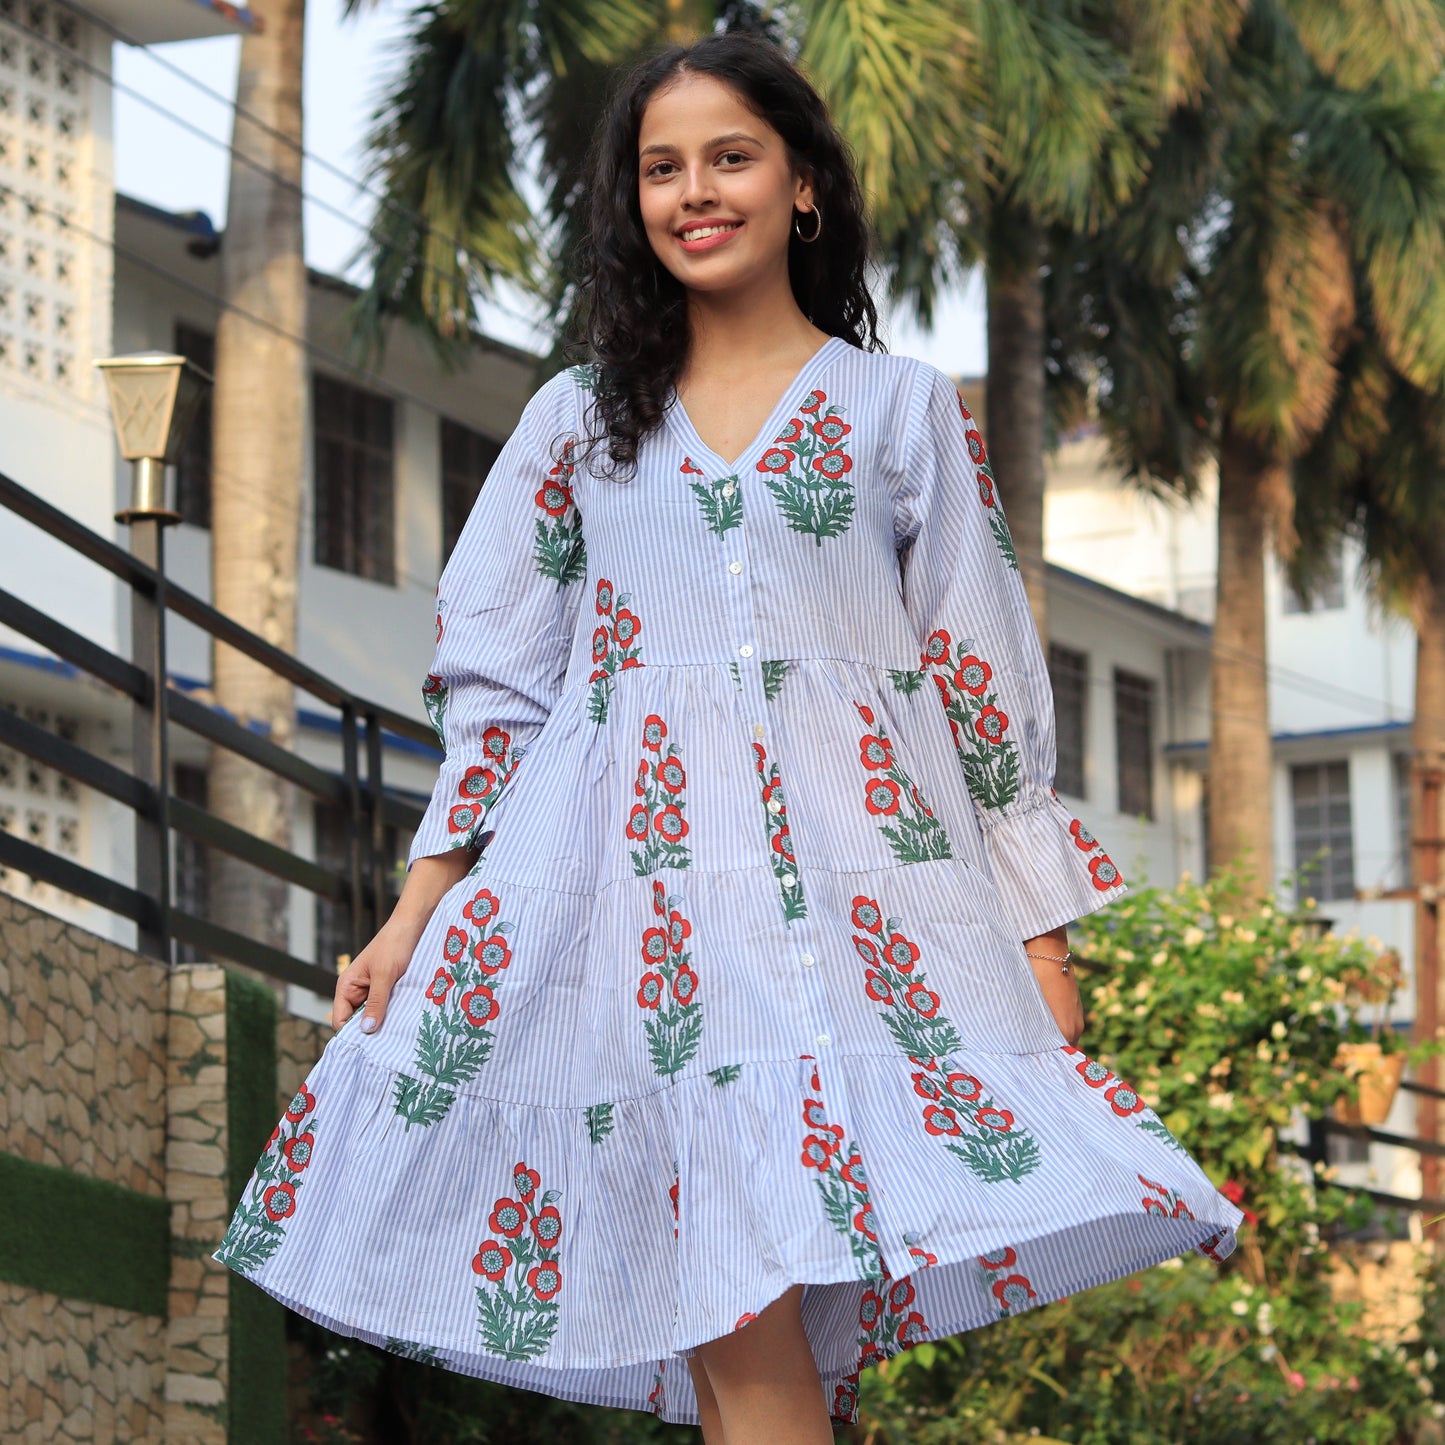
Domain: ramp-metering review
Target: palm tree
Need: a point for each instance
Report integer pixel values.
(259, 426)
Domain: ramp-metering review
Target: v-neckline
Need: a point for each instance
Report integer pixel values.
(766, 434)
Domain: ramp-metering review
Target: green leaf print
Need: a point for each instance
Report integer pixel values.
(993, 780)
(585, 375)
(615, 645)
(905, 681)
(736, 676)
(722, 510)
(914, 834)
(822, 509)
(988, 756)
(807, 470)
(775, 669)
(560, 552)
(727, 1074)
(780, 842)
(1003, 538)
(598, 697)
(599, 1122)
(423, 1354)
(258, 1225)
(518, 1322)
(841, 1187)
(673, 1038)
(922, 1038)
(421, 1103)
(657, 822)
(996, 1158)
(1160, 1130)
(434, 693)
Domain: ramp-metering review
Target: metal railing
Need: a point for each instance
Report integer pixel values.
(157, 707)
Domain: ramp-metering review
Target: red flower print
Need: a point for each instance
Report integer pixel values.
(672, 1195)
(495, 742)
(650, 990)
(654, 730)
(679, 930)
(921, 1000)
(870, 1308)
(644, 772)
(684, 986)
(881, 796)
(791, 432)
(875, 752)
(867, 951)
(900, 952)
(901, 1294)
(853, 1173)
(866, 713)
(941, 683)
(964, 1087)
(554, 498)
(776, 459)
(599, 644)
(631, 662)
(671, 824)
(492, 955)
(525, 1181)
(1182, 1210)
(973, 675)
(463, 817)
(654, 945)
(1082, 836)
(596, 673)
(280, 1200)
(545, 1279)
(929, 1063)
(990, 724)
(1004, 1258)
(815, 1116)
(936, 648)
(483, 908)
(1105, 874)
(492, 1259)
(1154, 1206)
(867, 914)
(1123, 1100)
(1094, 1074)
(688, 469)
(637, 822)
(818, 1151)
(547, 1226)
(760, 757)
(923, 1257)
(999, 1119)
(877, 987)
(926, 1086)
(302, 1103)
(455, 945)
(938, 1119)
(275, 1135)
(815, 400)
(745, 1320)
(833, 464)
(671, 775)
(626, 627)
(912, 1330)
(604, 597)
(976, 448)
(986, 493)
(919, 803)
(298, 1150)
(863, 1222)
(439, 987)
(870, 1355)
(1013, 1291)
(783, 843)
(659, 898)
(440, 629)
(507, 1217)
(479, 1007)
(477, 782)
(831, 429)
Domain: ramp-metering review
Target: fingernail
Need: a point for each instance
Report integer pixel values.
(368, 1024)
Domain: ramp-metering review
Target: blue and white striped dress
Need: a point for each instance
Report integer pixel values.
(735, 997)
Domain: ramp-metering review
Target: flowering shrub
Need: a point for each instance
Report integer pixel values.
(1226, 1016)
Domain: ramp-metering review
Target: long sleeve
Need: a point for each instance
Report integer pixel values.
(507, 604)
(981, 652)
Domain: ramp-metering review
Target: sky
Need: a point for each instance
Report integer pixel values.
(349, 63)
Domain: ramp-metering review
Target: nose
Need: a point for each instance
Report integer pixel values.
(699, 185)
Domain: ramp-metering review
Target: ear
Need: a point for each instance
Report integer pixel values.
(803, 190)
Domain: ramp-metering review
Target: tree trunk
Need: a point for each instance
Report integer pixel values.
(1015, 408)
(259, 427)
(1241, 831)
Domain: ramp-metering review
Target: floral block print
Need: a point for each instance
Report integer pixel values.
(258, 1226)
(987, 495)
(455, 1038)
(481, 786)
(913, 833)
(1168, 1203)
(841, 1182)
(727, 1074)
(520, 1276)
(598, 1118)
(957, 1108)
(905, 680)
(1101, 866)
(614, 647)
(775, 669)
(1005, 1281)
(888, 1321)
(721, 500)
(667, 994)
(806, 469)
(780, 839)
(989, 757)
(672, 1194)
(559, 551)
(585, 375)
(422, 1354)
(657, 1396)
(434, 695)
(657, 823)
(1121, 1097)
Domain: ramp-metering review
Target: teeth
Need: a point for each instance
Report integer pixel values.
(699, 232)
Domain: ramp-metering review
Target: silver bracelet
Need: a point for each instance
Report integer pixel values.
(1063, 962)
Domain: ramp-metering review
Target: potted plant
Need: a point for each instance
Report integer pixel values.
(1373, 1065)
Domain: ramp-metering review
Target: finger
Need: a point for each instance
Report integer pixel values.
(351, 990)
(376, 999)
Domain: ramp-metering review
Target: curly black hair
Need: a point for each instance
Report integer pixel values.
(632, 311)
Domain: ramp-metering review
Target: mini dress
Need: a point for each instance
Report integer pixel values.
(760, 757)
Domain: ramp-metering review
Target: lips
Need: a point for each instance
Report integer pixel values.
(701, 230)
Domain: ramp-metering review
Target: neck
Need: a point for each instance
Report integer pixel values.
(763, 322)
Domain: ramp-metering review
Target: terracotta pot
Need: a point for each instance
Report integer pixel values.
(1378, 1074)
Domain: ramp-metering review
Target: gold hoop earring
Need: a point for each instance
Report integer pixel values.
(817, 230)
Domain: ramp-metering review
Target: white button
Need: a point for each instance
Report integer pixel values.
(806, 960)
(758, 730)
(774, 805)
(824, 1041)
(746, 650)
(788, 880)
(735, 568)
(728, 489)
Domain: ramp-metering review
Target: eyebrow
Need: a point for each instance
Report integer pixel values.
(718, 140)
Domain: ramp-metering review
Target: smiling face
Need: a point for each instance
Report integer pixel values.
(715, 188)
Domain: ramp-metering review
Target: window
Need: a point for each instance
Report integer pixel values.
(192, 890)
(333, 920)
(1330, 590)
(467, 457)
(355, 480)
(1134, 742)
(1404, 863)
(193, 470)
(1069, 673)
(1321, 793)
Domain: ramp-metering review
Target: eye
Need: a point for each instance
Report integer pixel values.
(653, 169)
(738, 155)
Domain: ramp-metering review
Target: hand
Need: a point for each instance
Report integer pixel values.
(1061, 993)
